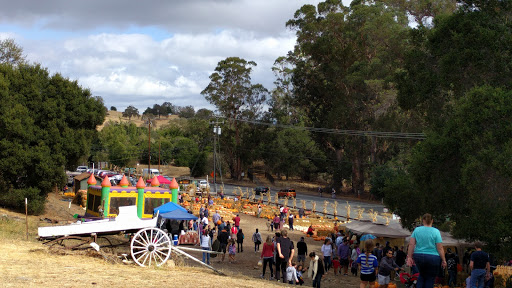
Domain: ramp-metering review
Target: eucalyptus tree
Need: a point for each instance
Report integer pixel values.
(237, 99)
(344, 61)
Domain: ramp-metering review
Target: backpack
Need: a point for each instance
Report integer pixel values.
(320, 269)
(451, 264)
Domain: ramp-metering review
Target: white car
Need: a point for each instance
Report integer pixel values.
(203, 184)
(82, 169)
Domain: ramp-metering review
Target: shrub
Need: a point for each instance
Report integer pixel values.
(15, 199)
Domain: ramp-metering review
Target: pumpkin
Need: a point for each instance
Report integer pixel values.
(391, 285)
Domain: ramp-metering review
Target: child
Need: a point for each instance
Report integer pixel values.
(291, 274)
(353, 268)
(336, 265)
(468, 281)
(271, 226)
(231, 250)
(300, 271)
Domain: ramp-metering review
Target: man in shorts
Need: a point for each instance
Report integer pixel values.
(386, 267)
(302, 251)
(223, 239)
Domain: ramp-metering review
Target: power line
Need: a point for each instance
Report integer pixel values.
(397, 135)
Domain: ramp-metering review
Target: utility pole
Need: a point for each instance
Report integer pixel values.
(216, 132)
(159, 149)
(149, 148)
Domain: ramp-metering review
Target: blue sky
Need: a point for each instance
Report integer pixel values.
(141, 53)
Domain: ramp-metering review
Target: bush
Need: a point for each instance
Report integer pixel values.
(380, 175)
(15, 199)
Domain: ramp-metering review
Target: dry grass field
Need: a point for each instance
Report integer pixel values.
(117, 116)
(29, 264)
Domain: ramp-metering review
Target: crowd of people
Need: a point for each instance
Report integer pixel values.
(289, 261)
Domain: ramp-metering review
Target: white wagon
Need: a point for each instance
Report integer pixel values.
(149, 244)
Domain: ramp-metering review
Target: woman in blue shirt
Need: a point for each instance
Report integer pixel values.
(426, 251)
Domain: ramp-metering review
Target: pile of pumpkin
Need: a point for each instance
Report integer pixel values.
(390, 285)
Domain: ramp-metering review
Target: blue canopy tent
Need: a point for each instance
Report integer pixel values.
(168, 207)
(178, 215)
(173, 211)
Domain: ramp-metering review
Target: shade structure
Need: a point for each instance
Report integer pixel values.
(161, 179)
(178, 215)
(378, 230)
(169, 207)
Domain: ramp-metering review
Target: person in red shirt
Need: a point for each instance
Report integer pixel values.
(310, 230)
(237, 221)
(234, 232)
(267, 255)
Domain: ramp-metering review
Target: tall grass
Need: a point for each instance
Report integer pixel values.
(15, 228)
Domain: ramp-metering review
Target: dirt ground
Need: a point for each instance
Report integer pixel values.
(31, 264)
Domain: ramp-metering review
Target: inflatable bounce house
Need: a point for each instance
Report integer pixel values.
(105, 200)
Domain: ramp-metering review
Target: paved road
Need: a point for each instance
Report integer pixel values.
(341, 208)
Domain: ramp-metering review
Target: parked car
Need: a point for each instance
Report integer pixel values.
(203, 184)
(150, 172)
(288, 192)
(261, 190)
(81, 169)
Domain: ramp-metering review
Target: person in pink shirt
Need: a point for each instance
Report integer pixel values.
(277, 222)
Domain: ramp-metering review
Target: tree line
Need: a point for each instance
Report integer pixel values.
(164, 110)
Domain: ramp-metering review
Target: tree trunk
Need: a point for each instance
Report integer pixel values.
(373, 151)
(357, 175)
(338, 173)
(238, 160)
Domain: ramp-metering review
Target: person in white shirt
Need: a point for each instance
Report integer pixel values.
(291, 274)
(205, 222)
(327, 251)
(205, 245)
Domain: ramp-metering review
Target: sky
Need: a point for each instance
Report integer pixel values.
(141, 53)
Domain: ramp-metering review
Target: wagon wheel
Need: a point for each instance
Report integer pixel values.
(150, 246)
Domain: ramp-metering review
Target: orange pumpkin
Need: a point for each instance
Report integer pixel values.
(391, 285)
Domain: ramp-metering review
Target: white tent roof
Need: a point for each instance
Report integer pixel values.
(378, 230)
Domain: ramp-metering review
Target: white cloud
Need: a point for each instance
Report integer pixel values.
(143, 53)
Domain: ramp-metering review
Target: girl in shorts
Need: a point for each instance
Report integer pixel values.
(367, 263)
(231, 250)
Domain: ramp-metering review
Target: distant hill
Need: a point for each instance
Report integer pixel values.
(117, 116)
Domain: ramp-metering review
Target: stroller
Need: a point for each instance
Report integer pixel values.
(409, 280)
